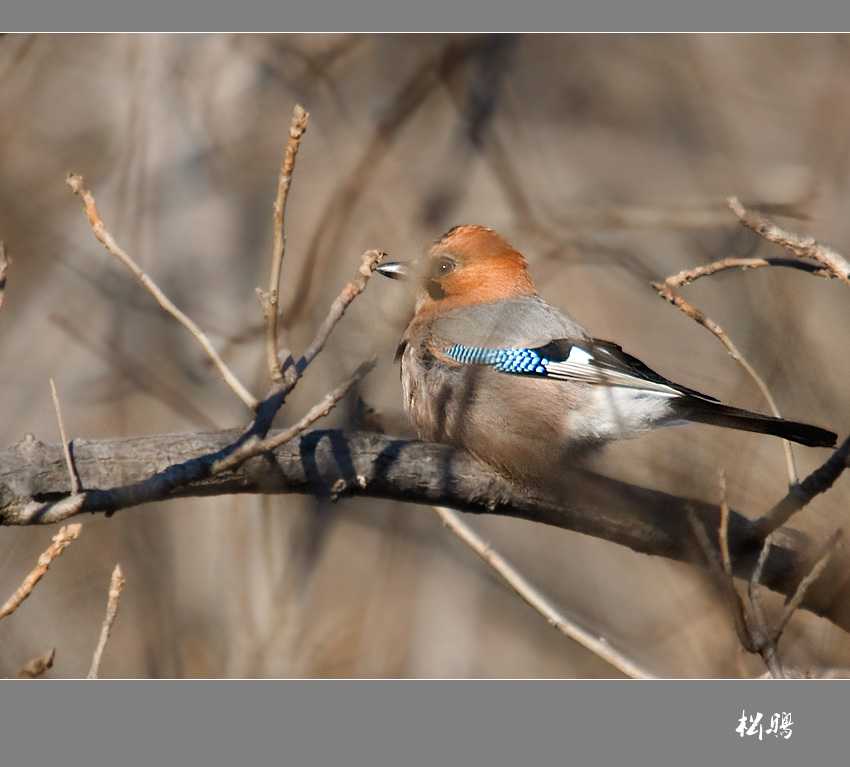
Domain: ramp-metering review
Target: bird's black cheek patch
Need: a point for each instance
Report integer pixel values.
(434, 290)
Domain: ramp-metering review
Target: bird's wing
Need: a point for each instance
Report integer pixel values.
(591, 362)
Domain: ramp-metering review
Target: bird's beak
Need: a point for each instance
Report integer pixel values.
(395, 270)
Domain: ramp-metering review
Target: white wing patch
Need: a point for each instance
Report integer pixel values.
(580, 356)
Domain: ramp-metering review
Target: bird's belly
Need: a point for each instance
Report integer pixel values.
(616, 412)
(524, 427)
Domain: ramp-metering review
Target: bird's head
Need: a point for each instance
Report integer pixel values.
(467, 265)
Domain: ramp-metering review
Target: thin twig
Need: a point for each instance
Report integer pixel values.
(764, 639)
(369, 261)
(695, 314)
(37, 666)
(292, 371)
(724, 527)
(532, 595)
(806, 247)
(66, 445)
(688, 276)
(102, 233)
(750, 624)
(61, 541)
(115, 586)
(810, 578)
(180, 475)
(256, 447)
(724, 583)
(270, 301)
(430, 75)
(762, 560)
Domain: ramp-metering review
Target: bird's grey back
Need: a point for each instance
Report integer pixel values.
(528, 321)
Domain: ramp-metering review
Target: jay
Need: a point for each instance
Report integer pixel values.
(489, 366)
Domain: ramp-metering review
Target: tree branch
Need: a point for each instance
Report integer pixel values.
(799, 496)
(126, 472)
(116, 583)
(64, 538)
(569, 627)
(664, 290)
(102, 233)
(805, 247)
(270, 301)
(66, 445)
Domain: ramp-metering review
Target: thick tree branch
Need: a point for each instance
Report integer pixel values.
(119, 473)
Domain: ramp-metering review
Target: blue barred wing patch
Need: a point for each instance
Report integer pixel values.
(521, 361)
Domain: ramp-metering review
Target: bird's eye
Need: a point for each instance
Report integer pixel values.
(442, 267)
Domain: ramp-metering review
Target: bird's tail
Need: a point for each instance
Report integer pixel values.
(704, 411)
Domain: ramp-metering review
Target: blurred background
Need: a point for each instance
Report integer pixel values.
(606, 159)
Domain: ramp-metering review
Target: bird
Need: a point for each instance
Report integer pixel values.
(489, 366)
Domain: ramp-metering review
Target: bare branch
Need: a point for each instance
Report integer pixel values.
(723, 581)
(763, 638)
(115, 586)
(369, 261)
(724, 527)
(61, 541)
(121, 473)
(102, 233)
(688, 276)
(66, 445)
(806, 247)
(815, 573)
(252, 448)
(270, 301)
(665, 291)
(568, 627)
(432, 73)
(292, 372)
(170, 480)
(799, 496)
(749, 619)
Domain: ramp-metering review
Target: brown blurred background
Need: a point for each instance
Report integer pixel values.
(606, 159)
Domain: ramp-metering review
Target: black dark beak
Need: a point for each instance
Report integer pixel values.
(395, 270)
